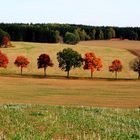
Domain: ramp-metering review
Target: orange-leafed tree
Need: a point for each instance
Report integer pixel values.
(116, 67)
(21, 62)
(92, 63)
(44, 61)
(3, 60)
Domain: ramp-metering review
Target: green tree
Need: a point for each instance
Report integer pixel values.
(100, 35)
(93, 34)
(70, 38)
(82, 33)
(77, 36)
(69, 59)
(110, 33)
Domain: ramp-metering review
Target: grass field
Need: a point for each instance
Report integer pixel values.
(33, 50)
(66, 109)
(33, 122)
(57, 90)
(98, 93)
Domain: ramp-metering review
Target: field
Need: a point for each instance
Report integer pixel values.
(53, 108)
(72, 92)
(33, 122)
(33, 50)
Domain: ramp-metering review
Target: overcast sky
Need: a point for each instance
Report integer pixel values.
(90, 12)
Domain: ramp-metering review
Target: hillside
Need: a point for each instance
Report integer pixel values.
(32, 50)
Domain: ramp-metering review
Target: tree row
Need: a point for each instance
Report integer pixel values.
(69, 59)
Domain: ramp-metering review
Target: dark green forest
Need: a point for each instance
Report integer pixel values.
(68, 33)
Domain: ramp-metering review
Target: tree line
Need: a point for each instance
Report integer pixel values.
(69, 59)
(67, 33)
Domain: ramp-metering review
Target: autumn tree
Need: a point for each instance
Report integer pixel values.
(21, 62)
(116, 67)
(135, 66)
(44, 61)
(69, 59)
(92, 63)
(3, 60)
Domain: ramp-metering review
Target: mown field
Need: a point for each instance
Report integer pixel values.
(33, 50)
(34, 122)
(72, 92)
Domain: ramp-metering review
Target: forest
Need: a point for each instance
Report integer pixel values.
(67, 33)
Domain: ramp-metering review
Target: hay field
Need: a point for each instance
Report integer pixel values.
(97, 93)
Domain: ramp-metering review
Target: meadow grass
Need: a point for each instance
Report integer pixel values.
(34, 122)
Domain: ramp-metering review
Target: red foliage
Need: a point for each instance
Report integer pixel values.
(5, 40)
(91, 62)
(21, 61)
(116, 66)
(3, 60)
(44, 61)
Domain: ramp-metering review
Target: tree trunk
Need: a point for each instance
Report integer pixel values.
(68, 74)
(21, 71)
(91, 74)
(139, 75)
(116, 75)
(45, 72)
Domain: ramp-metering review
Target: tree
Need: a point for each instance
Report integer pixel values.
(99, 35)
(70, 38)
(92, 34)
(82, 34)
(21, 62)
(135, 66)
(77, 37)
(4, 38)
(44, 61)
(116, 67)
(69, 59)
(92, 63)
(5, 41)
(3, 60)
(110, 33)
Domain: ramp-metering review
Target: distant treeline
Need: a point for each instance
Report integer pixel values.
(69, 33)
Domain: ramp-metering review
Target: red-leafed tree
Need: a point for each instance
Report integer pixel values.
(92, 63)
(5, 41)
(116, 67)
(21, 62)
(3, 60)
(44, 61)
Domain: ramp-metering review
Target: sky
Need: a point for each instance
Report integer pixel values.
(121, 13)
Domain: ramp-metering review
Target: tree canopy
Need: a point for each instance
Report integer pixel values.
(68, 59)
(51, 33)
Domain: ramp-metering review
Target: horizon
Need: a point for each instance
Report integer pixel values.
(73, 24)
(114, 13)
